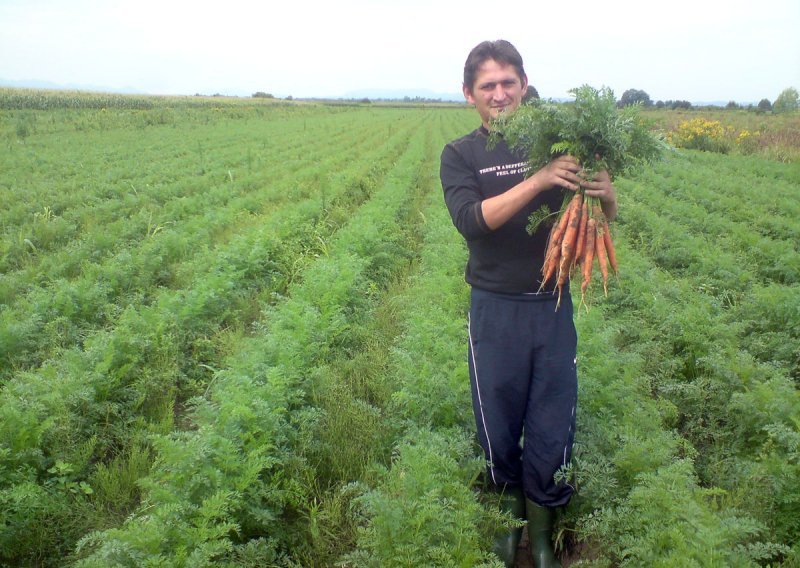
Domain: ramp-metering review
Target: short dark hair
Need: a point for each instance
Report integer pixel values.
(501, 51)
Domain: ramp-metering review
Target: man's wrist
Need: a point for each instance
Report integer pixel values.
(533, 187)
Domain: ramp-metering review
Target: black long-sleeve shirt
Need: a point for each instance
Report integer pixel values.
(507, 259)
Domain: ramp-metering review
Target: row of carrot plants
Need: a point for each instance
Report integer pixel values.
(768, 189)
(341, 431)
(98, 188)
(148, 261)
(421, 507)
(754, 278)
(655, 443)
(237, 487)
(103, 176)
(75, 430)
(711, 211)
(701, 471)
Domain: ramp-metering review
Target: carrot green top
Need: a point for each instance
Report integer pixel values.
(586, 128)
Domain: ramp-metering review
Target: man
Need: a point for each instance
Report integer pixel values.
(522, 351)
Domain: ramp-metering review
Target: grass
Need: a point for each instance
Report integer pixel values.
(772, 136)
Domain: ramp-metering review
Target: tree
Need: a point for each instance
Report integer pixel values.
(530, 93)
(732, 105)
(787, 101)
(633, 96)
(678, 104)
(764, 105)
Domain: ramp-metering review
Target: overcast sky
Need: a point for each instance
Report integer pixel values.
(697, 50)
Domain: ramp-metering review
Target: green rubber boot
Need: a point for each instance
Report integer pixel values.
(512, 500)
(540, 535)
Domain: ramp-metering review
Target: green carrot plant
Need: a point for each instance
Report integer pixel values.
(238, 474)
(121, 383)
(692, 324)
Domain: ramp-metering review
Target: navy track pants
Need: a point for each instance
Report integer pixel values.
(522, 365)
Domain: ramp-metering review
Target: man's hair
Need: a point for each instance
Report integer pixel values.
(501, 51)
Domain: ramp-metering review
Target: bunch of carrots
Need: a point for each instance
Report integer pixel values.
(579, 237)
(601, 136)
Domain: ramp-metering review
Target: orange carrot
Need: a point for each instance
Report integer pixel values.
(568, 243)
(553, 249)
(561, 226)
(602, 259)
(581, 245)
(612, 253)
(552, 254)
(588, 258)
(551, 262)
(570, 235)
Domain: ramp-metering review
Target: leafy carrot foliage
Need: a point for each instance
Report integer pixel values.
(591, 128)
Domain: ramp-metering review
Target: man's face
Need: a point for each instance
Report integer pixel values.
(497, 88)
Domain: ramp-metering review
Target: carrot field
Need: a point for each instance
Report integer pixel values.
(233, 333)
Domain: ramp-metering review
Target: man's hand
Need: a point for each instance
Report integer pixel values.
(600, 186)
(561, 172)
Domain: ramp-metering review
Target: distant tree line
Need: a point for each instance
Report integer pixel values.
(673, 104)
(788, 100)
